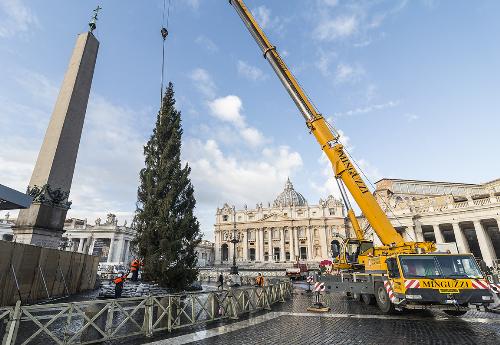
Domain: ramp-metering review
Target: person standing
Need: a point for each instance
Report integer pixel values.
(221, 282)
(119, 281)
(135, 266)
(259, 280)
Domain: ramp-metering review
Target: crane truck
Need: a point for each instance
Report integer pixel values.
(397, 274)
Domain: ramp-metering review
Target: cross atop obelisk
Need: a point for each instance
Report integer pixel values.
(93, 21)
(42, 223)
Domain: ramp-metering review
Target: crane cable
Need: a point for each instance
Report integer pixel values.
(164, 34)
(389, 208)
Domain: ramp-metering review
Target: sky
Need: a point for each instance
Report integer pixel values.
(413, 86)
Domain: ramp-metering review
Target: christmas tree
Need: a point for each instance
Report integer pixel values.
(167, 230)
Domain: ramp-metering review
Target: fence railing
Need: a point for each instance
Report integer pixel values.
(100, 320)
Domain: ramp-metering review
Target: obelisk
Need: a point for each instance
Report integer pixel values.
(42, 223)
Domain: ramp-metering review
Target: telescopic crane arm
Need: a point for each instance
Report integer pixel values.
(326, 136)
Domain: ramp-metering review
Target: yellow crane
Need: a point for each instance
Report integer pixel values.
(398, 274)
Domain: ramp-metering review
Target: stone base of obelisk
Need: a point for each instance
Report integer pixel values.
(38, 237)
(40, 225)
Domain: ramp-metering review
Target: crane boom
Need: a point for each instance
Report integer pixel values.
(326, 137)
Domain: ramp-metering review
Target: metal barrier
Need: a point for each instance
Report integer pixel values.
(247, 278)
(100, 320)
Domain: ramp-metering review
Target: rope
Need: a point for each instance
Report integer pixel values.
(389, 208)
(164, 34)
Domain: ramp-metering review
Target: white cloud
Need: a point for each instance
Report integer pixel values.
(228, 109)
(252, 136)
(331, 3)
(411, 117)
(203, 82)
(351, 19)
(250, 72)
(348, 73)
(207, 43)
(15, 17)
(220, 177)
(263, 16)
(324, 61)
(368, 109)
(195, 4)
(329, 29)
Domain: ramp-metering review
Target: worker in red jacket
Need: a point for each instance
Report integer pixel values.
(119, 280)
(135, 266)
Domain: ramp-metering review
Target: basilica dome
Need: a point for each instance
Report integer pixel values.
(289, 197)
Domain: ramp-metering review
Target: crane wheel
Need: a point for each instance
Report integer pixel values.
(455, 312)
(382, 298)
(368, 299)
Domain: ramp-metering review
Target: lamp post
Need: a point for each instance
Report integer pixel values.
(235, 239)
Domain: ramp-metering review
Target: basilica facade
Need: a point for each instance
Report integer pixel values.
(463, 215)
(287, 230)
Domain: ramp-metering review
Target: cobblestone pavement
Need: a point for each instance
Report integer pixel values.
(350, 322)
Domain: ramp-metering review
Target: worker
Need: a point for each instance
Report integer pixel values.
(221, 282)
(134, 268)
(259, 280)
(119, 280)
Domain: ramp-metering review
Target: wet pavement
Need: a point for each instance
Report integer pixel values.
(348, 322)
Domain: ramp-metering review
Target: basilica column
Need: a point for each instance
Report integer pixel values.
(461, 241)
(297, 249)
(127, 251)
(120, 257)
(322, 240)
(261, 244)
(111, 249)
(270, 246)
(80, 245)
(282, 245)
(487, 250)
(291, 243)
(438, 234)
(310, 254)
(419, 234)
(217, 246)
(245, 245)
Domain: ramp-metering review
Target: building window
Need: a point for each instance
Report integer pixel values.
(287, 235)
(331, 211)
(239, 218)
(266, 256)
(250, 217)
(276, 254)
(276, 234)
(316, 233)
(285, 214)
(314, 213)
(287, 256)
(224, 218)
(265, 235)
(251, 254)
(303, 253)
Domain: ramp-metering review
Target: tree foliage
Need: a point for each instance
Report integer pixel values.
(167, 230)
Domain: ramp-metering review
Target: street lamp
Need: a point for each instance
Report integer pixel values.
(235, 239)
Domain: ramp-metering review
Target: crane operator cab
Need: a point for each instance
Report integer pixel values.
(454, 281)
(346, 253)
